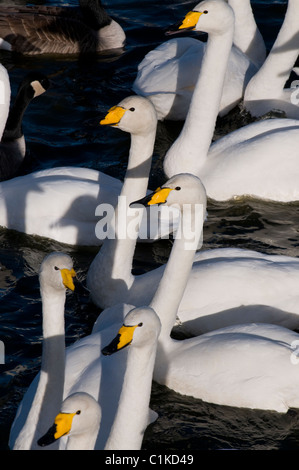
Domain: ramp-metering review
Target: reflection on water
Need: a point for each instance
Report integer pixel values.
(62, 129)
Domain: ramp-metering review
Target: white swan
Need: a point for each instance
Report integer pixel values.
(249, 365)
(33, 30)
(167, 75)
(65, 203)
(266, 90)
(248, 161)
(13, 145)
(41, 402)
(140, 332)
(235, 273)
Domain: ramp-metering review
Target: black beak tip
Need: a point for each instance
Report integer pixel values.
(47, 438)
(106, 351)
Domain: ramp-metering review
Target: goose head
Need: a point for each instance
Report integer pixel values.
(80, 414)
(141, 326)
(34, 84)
(133, 114)
(57, 272)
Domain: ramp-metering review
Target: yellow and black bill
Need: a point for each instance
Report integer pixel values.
(123, 338)
(155, 198)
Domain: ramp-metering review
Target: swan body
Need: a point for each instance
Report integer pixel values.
(65, 203)
(266, 90)
(13, 146)
(33, 30)
(139, 333)
(246, 162)
(57, 203)
(41, 402)
(168, 74)
(245, 365)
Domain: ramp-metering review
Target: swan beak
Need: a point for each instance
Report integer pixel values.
(67, 278)
(157, 197)
(122, 339)
(190, 20)
(113, 116)
(62, 426)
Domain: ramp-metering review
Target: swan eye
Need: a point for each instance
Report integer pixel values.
(56, 268)
(178, 188)
(140, 324)
(132, 109)
(205, 12)
(78, 412)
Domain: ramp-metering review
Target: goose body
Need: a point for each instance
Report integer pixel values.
(168, 74)
(139, 333)
(246, 365)
(246, 162)
(33, 30)
(266, 90)
(13, 145)
(42, 401)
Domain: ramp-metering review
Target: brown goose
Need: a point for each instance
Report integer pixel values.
(59, 30)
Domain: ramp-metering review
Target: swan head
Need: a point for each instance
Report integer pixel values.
(141, 326)
(180, 190)
(80, 413)
(57, 272)
(134, 114)
(209, 16)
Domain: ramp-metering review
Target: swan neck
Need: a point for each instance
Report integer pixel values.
(113, 262)
(13, 129)
(190, 150)
(171, 288)
(5, 94)
(270, 80)
(134, 400)
(247, 36)
(49, 393)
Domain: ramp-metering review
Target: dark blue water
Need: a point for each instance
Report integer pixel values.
(61, 128)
